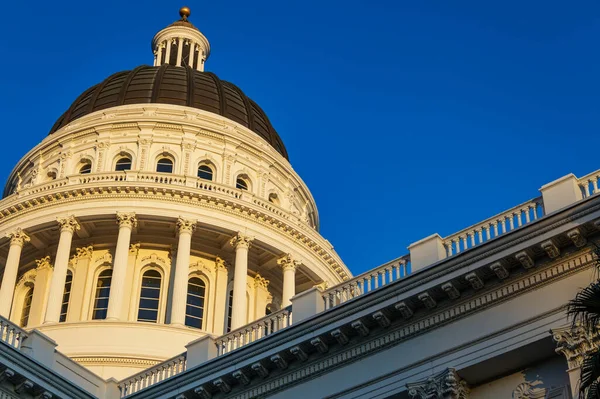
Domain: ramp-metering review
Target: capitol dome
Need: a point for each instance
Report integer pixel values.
(169, 84)
(161, 208)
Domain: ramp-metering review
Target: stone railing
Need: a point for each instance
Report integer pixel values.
(11, 334)
(153, 375)
(367, 282)
(589, 184)
(254, 331)
(494, 226)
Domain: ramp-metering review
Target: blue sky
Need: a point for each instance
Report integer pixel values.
(404, 118)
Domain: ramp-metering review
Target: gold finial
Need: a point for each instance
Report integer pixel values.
(184, 12)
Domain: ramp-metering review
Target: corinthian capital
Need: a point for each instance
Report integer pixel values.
(125, 219)
(241, 241)
(18, 237)
(446, 384)
(575, 343)
(185, 225)
(44, 263)
(287, 262)
(68, 224)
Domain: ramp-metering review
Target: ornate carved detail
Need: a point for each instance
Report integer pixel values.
(340, 336)
(525, 260)
(203, 393)
(427, 300)
(551, 249)
(241, 377)
(185, 225)
(319, 344)
(134, 249)
(360, 327)
(222, 385)
(68, 223)
(220, 264)
(154, 258)
(106, 258)
(322, 286)
(500, 270)
(279, 361)
(84, 252)
(381, 318)
(444, 385)
(299, 353)
(43, 263)
(241, 241)
(200, 266)
(126, 219)
(526, 390)
(575, 343)
(451, 290)
(578, 239)
(28, 278)
(259, 369)
(260, 281)
(287, 262)
(474, 280)
(404, 310)
(18, 237)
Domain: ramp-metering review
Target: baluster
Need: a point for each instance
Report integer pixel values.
(511, 221)
(587, 188)
(382, 277)
(456, 245)
(376, 280)
(448, 246)
(479, 234)
(527, 217)
(472, 235)
(595, 184)
(519, 221)
(503, 225)
(488, 232)
(495, 224)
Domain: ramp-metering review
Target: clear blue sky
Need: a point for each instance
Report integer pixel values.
(404, 118)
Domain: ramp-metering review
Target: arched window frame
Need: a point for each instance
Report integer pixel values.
(66, 318)
(26, 281)
(207, 303)
(244, 177)
(122, 155)
(162, 301)
(165, 155)
(83, 162)
(99, 271)
(51, 174)
(211, 166)
(273, 198)
(249, 299)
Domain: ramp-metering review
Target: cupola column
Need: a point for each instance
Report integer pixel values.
(239, 308)
(288, 266)
(18, 238)
(179, 51)
(68, 226)
(192, 53)
(168, 53)
(182, 271)
(127, 222)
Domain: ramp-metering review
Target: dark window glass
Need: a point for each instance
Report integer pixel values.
(86, 168)
(149, 297)
(66, 295)
(205, 172)
(164, 165)
(26, 307)
(123, 164)
(241, 184)
(102, 294)
(194, 311)
(229, 310)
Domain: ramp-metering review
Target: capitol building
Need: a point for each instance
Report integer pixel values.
(157, 243)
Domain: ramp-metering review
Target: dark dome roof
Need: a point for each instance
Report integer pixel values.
(178, 86)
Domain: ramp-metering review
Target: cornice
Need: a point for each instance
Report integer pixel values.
(112, 360)
(65, 194)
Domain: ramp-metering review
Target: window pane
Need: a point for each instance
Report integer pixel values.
(123, 164)
(164, 165)
(101, 295)
(194, 311)
(149, 296)
(26, 307)
(66, 295)
(192, 322)
(205, 172)
(87, 168)
(241, 184)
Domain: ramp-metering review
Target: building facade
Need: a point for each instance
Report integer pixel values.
(160, 245)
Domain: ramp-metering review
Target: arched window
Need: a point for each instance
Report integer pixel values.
(274, 199)
(194, 311)
(164, 165)
(205, 172)
(51, 175)
(85, 168)
(26, 307)
(242, 184)
(102, 294)
(66, 295)
(123, 163)
(149, 297)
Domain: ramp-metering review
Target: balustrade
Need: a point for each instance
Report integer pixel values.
(11, 334)
(589, 184)
(254, 331)
(367, 282)
(494, 226)
(151, 376)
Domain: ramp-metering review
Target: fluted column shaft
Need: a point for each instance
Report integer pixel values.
(179, 51)
(182, 271)
(239, 311)
(126, 223)
(288, 266)
(17, 239)
(68, 226)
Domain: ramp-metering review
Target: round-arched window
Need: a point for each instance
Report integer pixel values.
(150, 296)
(85, 168)
(274, 199)
(205, 172)
(26, 307)
(164, 165)
(242, 184)
(194, 310)
(123, 163)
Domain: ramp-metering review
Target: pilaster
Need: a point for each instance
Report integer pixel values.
(81, 262)
(220, 302)
(39, 301)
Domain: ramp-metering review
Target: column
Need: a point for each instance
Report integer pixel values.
(192, 53)
(221, 294)
(179, 51)
(288, 266)
(159, 55)
(185, 229)
(18, 238)
(168, 53)
(68, 226)
(126, 223)
(239, 316)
